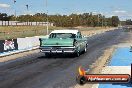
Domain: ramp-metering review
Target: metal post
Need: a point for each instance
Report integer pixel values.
(131, 73)
(15, 14)
(102, 21)
(27, 14)
(15, 11)
(98, 19)
(71, 23)
(47, 17)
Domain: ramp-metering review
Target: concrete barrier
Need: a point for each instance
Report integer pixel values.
(28, 43)
(34, 41)
(23, 43)
(19, 44)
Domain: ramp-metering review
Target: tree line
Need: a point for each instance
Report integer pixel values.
(72, 20)
(128, 22)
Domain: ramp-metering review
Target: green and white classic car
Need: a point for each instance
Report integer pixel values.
(64, 41)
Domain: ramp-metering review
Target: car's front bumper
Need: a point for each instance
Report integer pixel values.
(58, 49)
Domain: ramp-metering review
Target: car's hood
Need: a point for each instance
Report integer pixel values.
(57, 42)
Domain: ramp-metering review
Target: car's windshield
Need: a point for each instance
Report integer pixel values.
(62, 35)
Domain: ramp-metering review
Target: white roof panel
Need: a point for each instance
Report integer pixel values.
(65, 31)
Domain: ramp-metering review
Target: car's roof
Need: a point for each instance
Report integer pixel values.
(65, 31)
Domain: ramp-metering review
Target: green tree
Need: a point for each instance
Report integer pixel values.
(115, 21)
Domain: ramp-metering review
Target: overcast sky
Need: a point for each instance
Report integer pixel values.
(121, 8)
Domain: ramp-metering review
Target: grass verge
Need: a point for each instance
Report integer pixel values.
(12, 32)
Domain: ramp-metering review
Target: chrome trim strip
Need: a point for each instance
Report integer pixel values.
(69, 51)
(56, 47)
(57, 51)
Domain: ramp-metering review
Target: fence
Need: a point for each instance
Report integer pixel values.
(17, 23)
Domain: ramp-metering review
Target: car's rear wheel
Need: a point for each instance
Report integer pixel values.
(77, 54)
(47, 55)
(85, 49)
